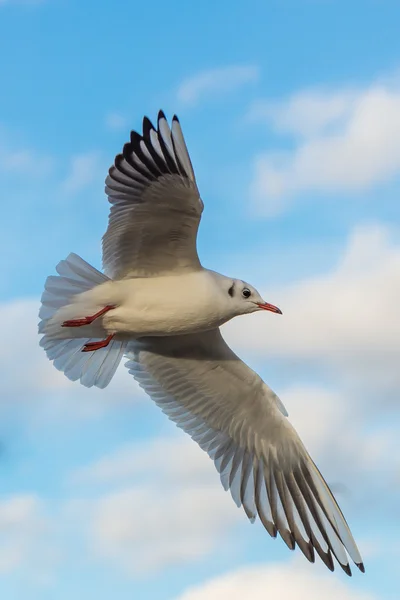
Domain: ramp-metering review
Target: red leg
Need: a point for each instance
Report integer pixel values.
(87, 320)
(92, 346)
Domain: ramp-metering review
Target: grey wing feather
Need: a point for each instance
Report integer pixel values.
(237, 419)
(156, 206)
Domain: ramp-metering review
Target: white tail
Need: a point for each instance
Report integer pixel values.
(92, 368)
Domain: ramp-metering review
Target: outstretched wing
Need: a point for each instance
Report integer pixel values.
(156, 207)
(238, 420)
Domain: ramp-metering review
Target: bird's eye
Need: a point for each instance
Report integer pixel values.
(246, 293)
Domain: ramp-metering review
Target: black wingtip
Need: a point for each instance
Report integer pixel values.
(136, 138)
(307, 549)
(361, 567)
(346, 569)
(147, 126)
(330, 564)
(328, 560)
(175, 118)
(288, 538)
(161, 115)
(117, 161)
(126, 148)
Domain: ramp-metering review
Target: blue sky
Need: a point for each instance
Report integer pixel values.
(291, 111)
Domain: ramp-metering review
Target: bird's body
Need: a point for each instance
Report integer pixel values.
(151, 306)
(158, 306)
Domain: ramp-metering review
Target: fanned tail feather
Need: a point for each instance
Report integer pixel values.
(91, 368)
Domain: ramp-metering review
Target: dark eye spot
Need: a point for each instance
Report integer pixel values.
(246, 293)
(230, 291)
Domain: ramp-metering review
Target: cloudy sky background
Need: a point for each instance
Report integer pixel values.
(291, 111)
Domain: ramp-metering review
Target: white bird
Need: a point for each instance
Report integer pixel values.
(158, 306)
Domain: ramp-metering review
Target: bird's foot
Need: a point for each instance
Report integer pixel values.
(92, 346)
(87, 320)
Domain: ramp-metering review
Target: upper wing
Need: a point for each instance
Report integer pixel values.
(156, 207)
(238, 420)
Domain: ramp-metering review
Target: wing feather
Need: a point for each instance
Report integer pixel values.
(156, 207)
(237, 419)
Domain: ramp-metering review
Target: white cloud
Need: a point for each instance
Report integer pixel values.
(344, 440)
(25, 161)
(147, 528)
(282, 581)
(346, 319)
(164, 489)
(349, 142)
(176, 460)
(21, 340)
(215, 82)
(23, 533)
(115, 121)
(84, 169)
(307, 113)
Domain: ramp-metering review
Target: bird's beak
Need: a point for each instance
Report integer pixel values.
(270, 307)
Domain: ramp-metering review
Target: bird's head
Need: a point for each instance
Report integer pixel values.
(247, 299)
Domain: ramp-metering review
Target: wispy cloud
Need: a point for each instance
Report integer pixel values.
(23, 529)
(347, 140)
(115, 121)
(124, 523)
(346, 318)
(306, 113)
(177, 459)
(216, 82)
(84, 169)
(282, 580)
(25, 161)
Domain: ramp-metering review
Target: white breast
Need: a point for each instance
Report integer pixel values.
(166, 305)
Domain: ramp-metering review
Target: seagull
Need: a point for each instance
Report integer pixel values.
(157, 305)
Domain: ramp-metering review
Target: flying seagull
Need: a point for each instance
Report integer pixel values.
(158, 306)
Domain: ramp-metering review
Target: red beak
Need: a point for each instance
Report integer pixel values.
(271, 307)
